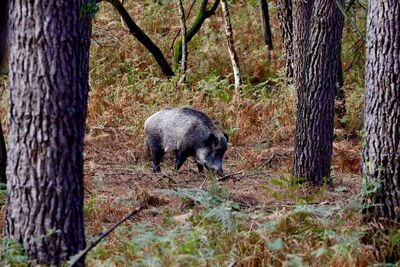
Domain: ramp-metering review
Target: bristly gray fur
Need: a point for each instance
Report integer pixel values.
(185, 129)
(180, 128)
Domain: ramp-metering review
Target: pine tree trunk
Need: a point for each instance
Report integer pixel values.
(266, 25)
(315, 107)
(302, 11)
(381, 153)
(231, 45)
(285, 16)
(48, 81)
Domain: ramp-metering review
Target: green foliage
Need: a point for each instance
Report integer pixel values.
(89, 9)
(12, 253)
(218, 234)
(3, 194)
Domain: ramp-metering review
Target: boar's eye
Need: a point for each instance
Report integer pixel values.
(212, 140)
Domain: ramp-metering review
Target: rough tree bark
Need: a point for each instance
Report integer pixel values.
(142, 37)
(285, 16)
(316, 92)
(48, 81)
(266, 25)
(231, 46)
(3, 56)
(182, 20)
(302, 11)
(381, 153)
(194, 29)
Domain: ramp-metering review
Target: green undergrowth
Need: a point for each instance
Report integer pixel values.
(218, 232)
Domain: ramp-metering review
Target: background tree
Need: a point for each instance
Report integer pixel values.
(3, 56)
(182, 21)
(381, 153)
(142, 37)
(231, 45)
(316, 87)
(266, 25)
(340, 105)
(202, 15)
(285, 16)
(48, 81)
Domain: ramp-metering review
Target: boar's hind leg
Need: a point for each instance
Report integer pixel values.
(181, 157)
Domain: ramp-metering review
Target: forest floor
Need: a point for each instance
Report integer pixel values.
(258, 215)
(118, 177)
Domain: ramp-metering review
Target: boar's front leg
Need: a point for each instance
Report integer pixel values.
(156, 157)
(181, 157)
(200, 167)
(157, 154)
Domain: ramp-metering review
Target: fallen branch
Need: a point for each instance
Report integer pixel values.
(223, 178)
(80, 256)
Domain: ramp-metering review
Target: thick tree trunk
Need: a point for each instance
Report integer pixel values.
(285, 16)
(48, 81)
(381, 153)
(266, 25)
(231, 46)
(302, 11)
(315, 107)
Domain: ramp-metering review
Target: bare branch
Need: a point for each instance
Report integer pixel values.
(80, 256)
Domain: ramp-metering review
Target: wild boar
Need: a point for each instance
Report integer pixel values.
(188, 133)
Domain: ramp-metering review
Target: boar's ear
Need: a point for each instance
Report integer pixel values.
(226, 137)
(212, 140)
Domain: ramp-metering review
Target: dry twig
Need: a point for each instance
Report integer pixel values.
(226, 177)
(80, 256)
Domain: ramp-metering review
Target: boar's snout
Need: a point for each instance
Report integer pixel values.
(216, 169)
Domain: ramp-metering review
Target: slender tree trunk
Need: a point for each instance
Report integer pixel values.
(231, 45)
(142, 37)
(48, 83)
(285, 16)
(182, 20)
(340, 105)
(3, 56)
(266, 25)
(3, 158)
(194, 29)
(315, 107)
(381, 153)
(3, 35)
